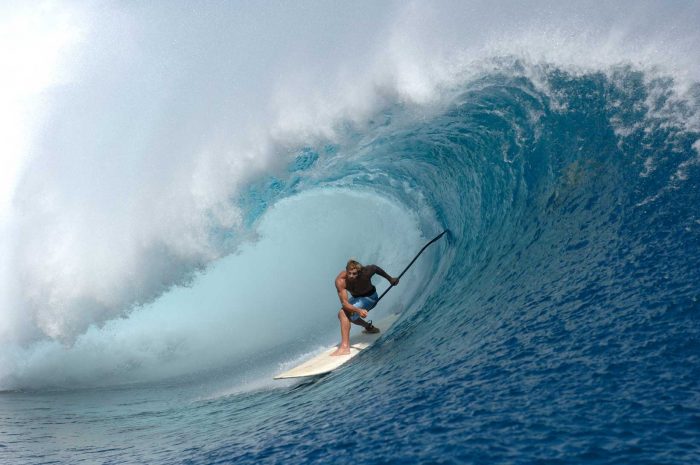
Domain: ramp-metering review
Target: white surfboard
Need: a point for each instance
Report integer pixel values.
(325, 362)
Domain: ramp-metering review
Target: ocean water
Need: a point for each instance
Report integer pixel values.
(164, 259)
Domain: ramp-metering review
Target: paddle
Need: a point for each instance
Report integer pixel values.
(412, 261)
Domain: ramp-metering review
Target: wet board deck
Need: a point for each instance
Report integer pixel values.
(325, 363)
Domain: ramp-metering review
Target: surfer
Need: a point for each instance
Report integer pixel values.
(357, 280)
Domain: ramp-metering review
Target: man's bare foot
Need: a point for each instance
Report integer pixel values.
(341, 351)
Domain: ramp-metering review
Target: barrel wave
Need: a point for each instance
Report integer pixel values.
(557, 321)
(565, 315)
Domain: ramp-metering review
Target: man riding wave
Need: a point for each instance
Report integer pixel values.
(357, 280)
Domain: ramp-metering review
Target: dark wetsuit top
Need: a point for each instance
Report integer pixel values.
(362, 285)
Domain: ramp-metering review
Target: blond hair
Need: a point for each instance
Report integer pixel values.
(353, 265)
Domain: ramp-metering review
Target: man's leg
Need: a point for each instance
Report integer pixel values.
(369, 327)
(344, 347)
(361, 322)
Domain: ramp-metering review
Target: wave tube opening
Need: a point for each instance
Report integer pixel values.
(267, 304)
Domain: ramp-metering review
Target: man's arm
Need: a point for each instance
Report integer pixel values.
(343, 296)
(385, 275)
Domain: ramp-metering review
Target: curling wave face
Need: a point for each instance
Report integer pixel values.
(566, 301)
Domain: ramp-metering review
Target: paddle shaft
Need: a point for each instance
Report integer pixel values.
(412, 262)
